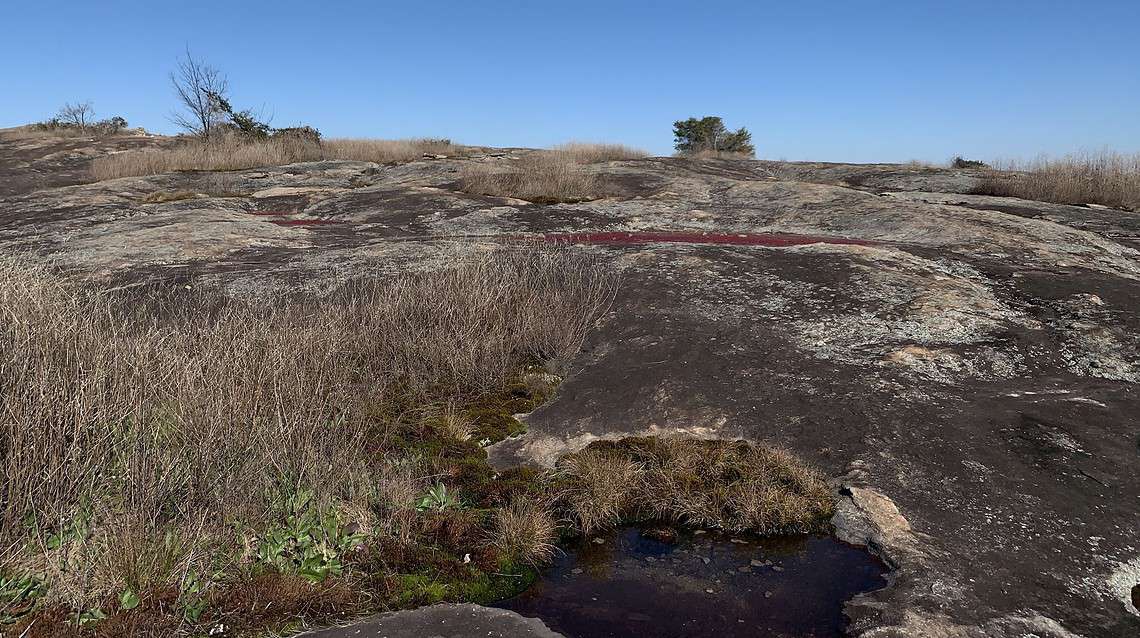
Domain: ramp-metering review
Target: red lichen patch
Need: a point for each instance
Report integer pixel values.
(689, 237)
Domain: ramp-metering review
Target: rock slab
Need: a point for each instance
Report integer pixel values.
(444, 621)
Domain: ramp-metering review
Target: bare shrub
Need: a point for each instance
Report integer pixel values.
(589, 153)
(135, 430)
(539, 176)
(200, 89)
(1106, 178)
(72, 121)
(734, 485)
(77, 115)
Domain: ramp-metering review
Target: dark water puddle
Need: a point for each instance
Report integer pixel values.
(708, 585)
(736, 239)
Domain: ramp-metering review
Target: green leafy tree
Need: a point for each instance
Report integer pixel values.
(244, 122)
(708, 134)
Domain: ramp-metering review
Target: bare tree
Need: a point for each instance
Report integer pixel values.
(78, 115)
(201, 89)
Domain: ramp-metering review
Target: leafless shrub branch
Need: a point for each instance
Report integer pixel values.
(198, 86)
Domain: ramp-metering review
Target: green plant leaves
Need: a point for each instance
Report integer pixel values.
(438, 498)
(90, 617)
(18, 595)
(310, 543)
(129, 600)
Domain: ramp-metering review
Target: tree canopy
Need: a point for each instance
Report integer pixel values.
(708, 134)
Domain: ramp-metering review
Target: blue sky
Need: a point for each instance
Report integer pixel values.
(837, 81)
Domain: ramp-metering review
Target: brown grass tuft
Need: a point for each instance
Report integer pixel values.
(385, 151)
(542, 177)
(589, 152)
(525, 532)
(600, 488)
(1105, 178)
(734, 485)
(233, 153)
(34, 133)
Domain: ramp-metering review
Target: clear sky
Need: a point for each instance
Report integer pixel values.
(840, 81)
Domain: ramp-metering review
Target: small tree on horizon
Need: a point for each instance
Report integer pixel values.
(708, 134)
(78, 115)
(199, 87)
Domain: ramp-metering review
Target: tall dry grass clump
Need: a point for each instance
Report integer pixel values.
(222, 154)
(229, 153)
(33, 133)
(139, 431)
(1106, 178)
(543, 177)
(590, 152)
(385, 151)
(525, 532)
(733, 485)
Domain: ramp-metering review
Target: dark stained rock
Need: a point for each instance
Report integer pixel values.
(443, 621)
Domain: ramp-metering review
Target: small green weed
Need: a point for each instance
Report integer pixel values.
(192, 597)
(310, 543)
(18, 595)
(438, 498)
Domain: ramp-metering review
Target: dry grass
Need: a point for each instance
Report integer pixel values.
(589, 152)
(717, 155)
(221, 155)
(232, 153)
(734, 485)
(601, 488)
(385, 151)
(525, 532)
(449, 423)
(32, 133)
(1106, 178)
(197, 186)
(539, 176)
(918, 164)
(140, 431)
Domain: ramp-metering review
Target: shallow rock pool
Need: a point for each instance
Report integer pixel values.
(715, 585)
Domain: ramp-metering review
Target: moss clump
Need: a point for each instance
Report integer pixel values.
(473, 585)
(492, 415)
